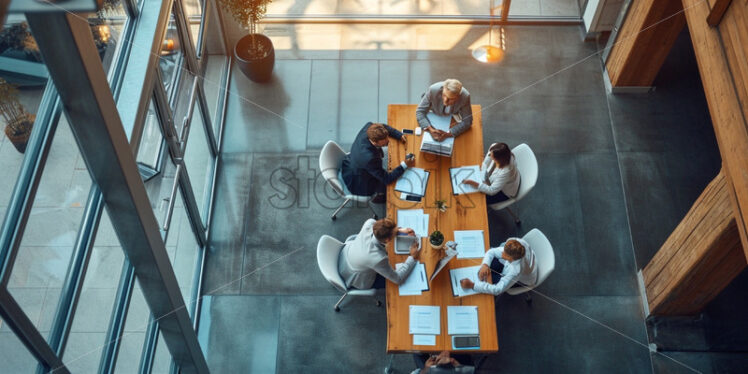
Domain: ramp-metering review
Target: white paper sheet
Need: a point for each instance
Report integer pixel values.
(413, 181)
(416, 281)
(458, 175)
(424, 319)
(424, 339)
(455, 275)
(462, 320)
(414, 219)
(470, 244)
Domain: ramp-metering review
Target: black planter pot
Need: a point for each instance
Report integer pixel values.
(256, 69)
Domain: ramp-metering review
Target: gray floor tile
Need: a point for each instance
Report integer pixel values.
(345, 101)
(223, 262)
(354, 339)
(251, 352)
(269, 117)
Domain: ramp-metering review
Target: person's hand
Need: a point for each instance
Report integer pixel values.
(410, 162)
(470, 182)
(443, 358)
(403, 140)
(467, 284)
(484, 272)
(414, 252)
(430, 362)
(407, 231)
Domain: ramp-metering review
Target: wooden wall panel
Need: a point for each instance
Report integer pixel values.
(644, 41)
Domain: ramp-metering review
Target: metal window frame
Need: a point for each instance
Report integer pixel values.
(116, 328)
(80, 79)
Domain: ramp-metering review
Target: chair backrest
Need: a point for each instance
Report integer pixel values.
(527, 165)
(328, 250)
(329, 163)
(545, 259)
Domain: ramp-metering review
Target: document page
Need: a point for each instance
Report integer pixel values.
(424, 320)
(439, 122)
(416, 281)
(424, 339)
(462, 320)
(413, 181)
(456, 275)
(470, 244)
(414, 219)
(458, 175)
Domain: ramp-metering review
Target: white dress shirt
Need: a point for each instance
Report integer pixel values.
(523, 270)
(504, 179)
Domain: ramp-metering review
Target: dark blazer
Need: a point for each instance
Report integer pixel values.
(362, 169)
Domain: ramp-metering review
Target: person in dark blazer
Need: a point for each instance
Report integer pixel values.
(362, 169)
(447, 98)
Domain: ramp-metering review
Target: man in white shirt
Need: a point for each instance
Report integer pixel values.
(515, 262)
(364, 260)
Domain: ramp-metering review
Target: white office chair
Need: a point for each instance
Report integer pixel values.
(545, 260)
(328, 250)
(527, 165)
(330, 160)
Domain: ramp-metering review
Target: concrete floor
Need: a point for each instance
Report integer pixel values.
(617, 173)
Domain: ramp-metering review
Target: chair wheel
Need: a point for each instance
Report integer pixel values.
(334, 218)
(518, 222)
(379, 303)
(337, 308)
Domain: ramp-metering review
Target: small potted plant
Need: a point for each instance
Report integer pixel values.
(436, 239)
(441, 205)
(254, 52)
(18, 122)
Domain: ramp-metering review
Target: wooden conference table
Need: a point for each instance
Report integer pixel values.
(465, 212)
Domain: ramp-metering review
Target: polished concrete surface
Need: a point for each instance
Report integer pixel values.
(617, 173)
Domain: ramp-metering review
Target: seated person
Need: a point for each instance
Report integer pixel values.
(362, 169)
(445, 99)
(500, 176)
(514, 262)
(363, 261)
(442, 363)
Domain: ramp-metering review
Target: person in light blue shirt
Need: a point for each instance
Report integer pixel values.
(512, 263)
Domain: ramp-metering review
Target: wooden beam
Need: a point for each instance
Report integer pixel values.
(717, 12)
(722, 56)
(644, 41)
(699, 259)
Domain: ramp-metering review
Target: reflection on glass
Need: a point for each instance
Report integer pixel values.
(23, 79)
(47, 244)
(198, 159)
(106, 28)
(214, 87)
(182, 99)
(193, 10)
(133, 337)
(181, 245)
(92, 317)
(162, 357)
(14, 357)
(171, 55)
(151, 141)
(159, 189)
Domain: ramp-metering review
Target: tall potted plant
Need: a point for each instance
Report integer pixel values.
(18, 122)
(254, 52)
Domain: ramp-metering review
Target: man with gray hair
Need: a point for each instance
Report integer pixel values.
(447, 98)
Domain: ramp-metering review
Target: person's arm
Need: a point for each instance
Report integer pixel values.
(423, 109)
(393, 132)
(374, 167)
(466, 112)
(396, 276)
(508, 278)
(498, 180)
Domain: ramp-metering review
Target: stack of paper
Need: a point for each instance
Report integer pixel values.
(455, 275)
(424, 319)
(458, 175)
(470, 244)
(413, 182)
(443, 148)
(462, 320)
(416, 281)
(414, 219)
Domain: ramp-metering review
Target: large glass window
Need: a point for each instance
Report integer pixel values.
(182, 246)
(151, 142)
(93, 314)
(107, 26)
(14, 357)
(198, 159)
(193, 10)
(47, 244)
(171, 56)
(162, 357)
(133, 337)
